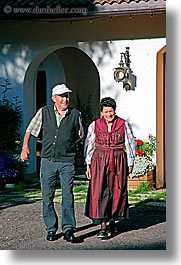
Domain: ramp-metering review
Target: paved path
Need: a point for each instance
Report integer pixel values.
(22, 228)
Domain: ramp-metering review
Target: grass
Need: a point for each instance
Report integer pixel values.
(151, 195)
(13, 196)
(155, 197)
(142, 188)
(80, 188)
(80, 194)
(18, 187)
(80, 197)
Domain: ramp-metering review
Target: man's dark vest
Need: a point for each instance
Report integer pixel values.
(58, 143)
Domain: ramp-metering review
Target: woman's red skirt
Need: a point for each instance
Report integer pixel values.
(107, 197)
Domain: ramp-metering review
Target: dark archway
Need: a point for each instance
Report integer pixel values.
(75, 68)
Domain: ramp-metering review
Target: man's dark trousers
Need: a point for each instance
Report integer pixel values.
(49, 171)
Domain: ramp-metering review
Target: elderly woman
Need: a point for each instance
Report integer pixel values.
(109, 154)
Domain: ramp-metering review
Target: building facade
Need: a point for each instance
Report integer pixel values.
(83, 51)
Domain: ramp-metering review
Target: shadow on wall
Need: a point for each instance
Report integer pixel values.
(14, 60)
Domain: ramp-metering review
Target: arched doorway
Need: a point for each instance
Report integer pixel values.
(68, 65)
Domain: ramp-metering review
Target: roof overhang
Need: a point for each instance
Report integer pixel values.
(129, 8)
(98, 8)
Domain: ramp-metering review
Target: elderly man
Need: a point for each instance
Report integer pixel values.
(61, 129)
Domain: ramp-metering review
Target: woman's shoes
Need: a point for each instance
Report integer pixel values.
(103, 234)
(107, 232)
(112, 229)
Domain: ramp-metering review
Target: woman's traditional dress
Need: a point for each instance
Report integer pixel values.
(107, 197)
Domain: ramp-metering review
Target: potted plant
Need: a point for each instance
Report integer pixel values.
(144, 166)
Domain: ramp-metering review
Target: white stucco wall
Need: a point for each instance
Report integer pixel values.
(138, 106)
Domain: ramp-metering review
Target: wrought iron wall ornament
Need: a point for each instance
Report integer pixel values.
(123, 72)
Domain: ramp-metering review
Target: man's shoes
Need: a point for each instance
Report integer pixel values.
(69, 236)
(51, 236)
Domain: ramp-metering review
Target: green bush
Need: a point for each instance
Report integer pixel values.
(10, 117)
(11, 167)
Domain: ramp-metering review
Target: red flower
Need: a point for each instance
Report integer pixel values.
(139, 142)
(146, 148)
(140, 152)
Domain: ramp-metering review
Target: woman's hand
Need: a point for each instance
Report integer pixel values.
(88, 171)
(130, 169)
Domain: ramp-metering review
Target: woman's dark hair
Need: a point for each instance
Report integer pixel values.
(107, 102)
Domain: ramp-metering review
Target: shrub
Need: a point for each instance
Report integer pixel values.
(8, 171)
(10, 117)
(11, 167)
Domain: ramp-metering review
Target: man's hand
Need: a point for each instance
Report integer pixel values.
(25, 153)
(25, 149)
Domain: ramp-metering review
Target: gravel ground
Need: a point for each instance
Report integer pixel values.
(22, 228)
